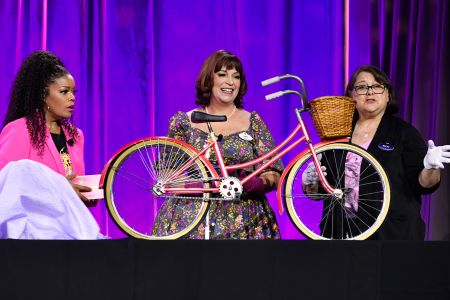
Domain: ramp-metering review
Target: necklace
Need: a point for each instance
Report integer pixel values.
(228, 116)
(368, 130)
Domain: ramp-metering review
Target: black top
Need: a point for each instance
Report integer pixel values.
(60, 141)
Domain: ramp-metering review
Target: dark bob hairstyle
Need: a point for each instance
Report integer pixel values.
(380, 77)
(214, 64)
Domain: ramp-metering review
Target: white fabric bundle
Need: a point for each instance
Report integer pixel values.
(38, 203)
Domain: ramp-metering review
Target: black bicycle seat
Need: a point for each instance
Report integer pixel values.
(201, 117)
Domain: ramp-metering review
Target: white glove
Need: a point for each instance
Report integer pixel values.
(310, 175)
(436, 156)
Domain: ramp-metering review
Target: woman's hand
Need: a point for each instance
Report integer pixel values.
(259, 185)
(433, 161)
(310, 178)
(79, 189)
(254, 186)
(310, 175)
(436, 156)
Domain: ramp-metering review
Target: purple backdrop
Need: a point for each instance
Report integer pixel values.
(135, 63)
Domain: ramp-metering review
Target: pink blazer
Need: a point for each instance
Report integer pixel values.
(15, 144)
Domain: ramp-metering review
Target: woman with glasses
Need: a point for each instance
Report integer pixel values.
(413, 170)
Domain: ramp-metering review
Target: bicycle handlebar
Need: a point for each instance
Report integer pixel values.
(270, 80)
(302, 95)
(282, 93)
(274, 95)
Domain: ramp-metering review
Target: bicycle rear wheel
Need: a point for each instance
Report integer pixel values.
(356, 215)
(130, 196)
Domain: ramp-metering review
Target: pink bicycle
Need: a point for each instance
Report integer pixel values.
(145, 173)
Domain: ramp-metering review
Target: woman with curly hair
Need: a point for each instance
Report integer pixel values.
(40, 141)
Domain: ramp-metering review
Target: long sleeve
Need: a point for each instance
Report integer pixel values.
(415, 150)
(14, 143)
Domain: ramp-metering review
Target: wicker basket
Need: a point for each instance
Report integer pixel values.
(332, 116)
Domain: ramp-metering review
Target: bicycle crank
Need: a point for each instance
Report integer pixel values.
(230, 188)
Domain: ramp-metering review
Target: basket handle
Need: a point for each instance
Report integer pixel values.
(302, 95)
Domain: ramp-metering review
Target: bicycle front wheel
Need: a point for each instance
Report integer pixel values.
(143, 212)
(353, 215)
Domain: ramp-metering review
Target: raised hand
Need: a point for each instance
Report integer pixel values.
(436, 156)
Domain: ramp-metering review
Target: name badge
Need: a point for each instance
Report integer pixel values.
(245, 136)
(386, 147)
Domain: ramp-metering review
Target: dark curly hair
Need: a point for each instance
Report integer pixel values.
(214, 64)
(37, 72)
(380, 77)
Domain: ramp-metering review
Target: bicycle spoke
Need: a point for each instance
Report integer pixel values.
(320, 215)
(142, 209)
(131, 178)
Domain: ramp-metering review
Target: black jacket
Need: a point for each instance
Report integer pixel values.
(400, 149)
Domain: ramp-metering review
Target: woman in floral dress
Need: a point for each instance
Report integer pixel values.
(220, 87)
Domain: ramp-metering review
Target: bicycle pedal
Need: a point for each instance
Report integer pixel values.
(237, 198)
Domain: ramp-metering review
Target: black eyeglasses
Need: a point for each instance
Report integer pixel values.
(364, 89)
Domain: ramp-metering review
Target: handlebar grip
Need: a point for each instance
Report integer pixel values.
(274, 95)
(270, 80)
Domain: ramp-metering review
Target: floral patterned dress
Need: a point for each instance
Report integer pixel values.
(245, 219)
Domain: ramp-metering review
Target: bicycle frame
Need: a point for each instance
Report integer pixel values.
(171, 172)
(275, 154)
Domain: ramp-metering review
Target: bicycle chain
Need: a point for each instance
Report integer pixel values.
(199, 180)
